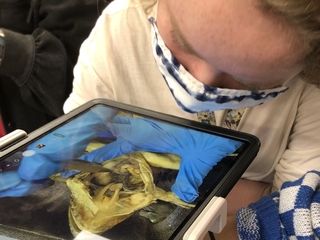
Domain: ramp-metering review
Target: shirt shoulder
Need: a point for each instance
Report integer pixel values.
(118, 6)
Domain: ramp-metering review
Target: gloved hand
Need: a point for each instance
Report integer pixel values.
(11, 184)
(291, 213)
(199, 152)
(52, 152)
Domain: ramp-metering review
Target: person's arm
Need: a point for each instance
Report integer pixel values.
(303, 149)
(243, 193)
(37, 64)
(228, 232)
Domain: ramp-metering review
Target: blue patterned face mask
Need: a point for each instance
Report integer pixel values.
(192, 95)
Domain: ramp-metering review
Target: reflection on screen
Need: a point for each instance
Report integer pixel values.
(112, 173)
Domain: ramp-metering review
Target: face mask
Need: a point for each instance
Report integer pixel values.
(192, 95)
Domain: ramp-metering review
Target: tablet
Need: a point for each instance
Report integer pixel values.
(117, 171)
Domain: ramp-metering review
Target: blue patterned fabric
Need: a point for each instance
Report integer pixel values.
(192, 95)
(291, 213)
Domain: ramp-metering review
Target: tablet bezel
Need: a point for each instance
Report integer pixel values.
(221, 189)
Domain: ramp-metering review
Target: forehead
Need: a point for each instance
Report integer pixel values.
(235, 33)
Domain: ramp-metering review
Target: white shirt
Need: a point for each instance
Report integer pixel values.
(116, 62)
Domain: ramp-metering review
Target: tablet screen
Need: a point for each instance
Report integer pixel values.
(122, 173)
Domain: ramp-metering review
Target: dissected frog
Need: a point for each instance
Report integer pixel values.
(111, 193)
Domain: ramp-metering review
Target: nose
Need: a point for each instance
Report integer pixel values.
(220, 80)
(209, 76)
(203, 72)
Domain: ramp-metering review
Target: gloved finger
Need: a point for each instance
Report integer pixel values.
(131, 128)
(105, 114)
(23, 188)
(151, 135)
(109, 151)
(121, 120)
(39, 166)
(68, 173)
(196, 164)
(145, 134)
(213, 150)
(67, 142)
(11, 185)
(189, 178)
(9, 180)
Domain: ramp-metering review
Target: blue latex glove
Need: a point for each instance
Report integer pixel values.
(199, 152)
(59, 146)
(11, 184)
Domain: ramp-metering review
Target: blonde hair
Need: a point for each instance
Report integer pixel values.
(304, 16)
